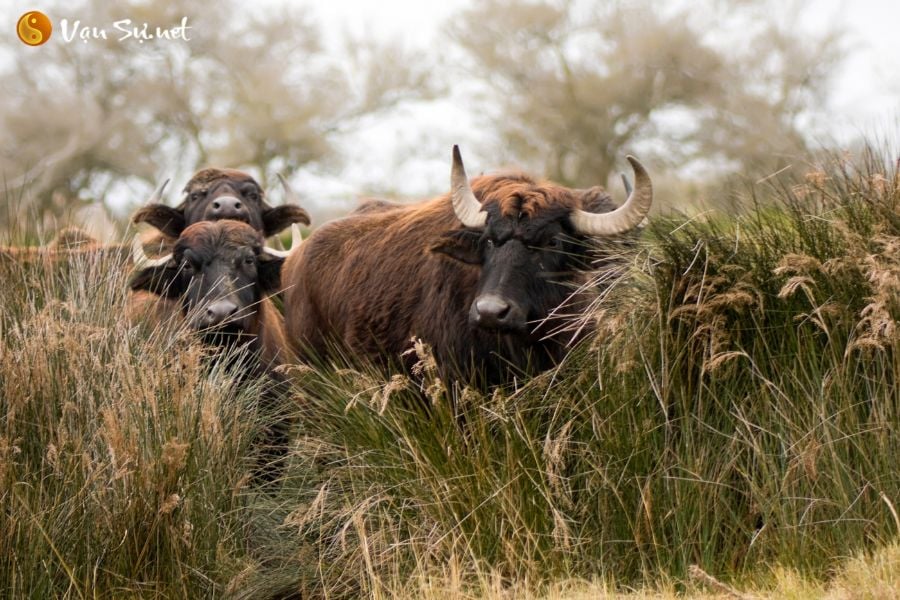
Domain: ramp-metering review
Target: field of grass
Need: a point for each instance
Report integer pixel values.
(733, 428)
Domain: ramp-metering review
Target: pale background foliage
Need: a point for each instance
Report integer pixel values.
(355, 98)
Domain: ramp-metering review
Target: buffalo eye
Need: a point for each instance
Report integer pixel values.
(249, 260)
(190, 262)
(252, 195)
(195, 196)
(556, 244)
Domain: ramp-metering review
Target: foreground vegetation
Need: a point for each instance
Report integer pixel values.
(734, 422)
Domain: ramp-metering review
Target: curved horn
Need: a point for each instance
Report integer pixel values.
(626, 217)
(465, 204)
(296, 240)
(290, 196)
(140, 258)
(158, 193)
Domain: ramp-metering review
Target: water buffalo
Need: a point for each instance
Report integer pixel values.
(213, 194)
(221, 274)
(488, 275)
(69, 244)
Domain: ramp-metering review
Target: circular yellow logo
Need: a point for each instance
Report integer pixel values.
(34, 28)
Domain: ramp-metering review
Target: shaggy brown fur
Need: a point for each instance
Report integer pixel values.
(223, 262)
(367, 205)
(372, 281)
(518, 194)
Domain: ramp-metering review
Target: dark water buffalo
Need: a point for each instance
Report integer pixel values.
(214, 194)
(488, 275)
(221, 274)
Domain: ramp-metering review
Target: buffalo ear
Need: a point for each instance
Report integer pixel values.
(596, 200)
(269, 273)
(462, 245)
(162, 280)
(168, 220)
(275, 220)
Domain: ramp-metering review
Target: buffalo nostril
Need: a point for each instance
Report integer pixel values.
(492, 307)
(220, 311)
(227, 206)
(491, 311)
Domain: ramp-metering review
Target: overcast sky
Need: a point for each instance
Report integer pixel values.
(864, 98)
(866, 89)
(408, 153)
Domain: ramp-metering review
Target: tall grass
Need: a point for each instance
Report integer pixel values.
(123, 454)
(736, 410)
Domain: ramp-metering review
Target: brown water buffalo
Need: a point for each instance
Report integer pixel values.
(70, 243)
(221, 274)
(214, 194)
(488, 275)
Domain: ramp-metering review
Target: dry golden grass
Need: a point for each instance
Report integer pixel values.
(874, 576)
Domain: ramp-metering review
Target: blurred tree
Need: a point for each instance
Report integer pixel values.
(578, 84)
(252, 88)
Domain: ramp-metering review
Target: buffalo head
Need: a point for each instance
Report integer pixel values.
(214, 194)
(530, 239)
(219, 271)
